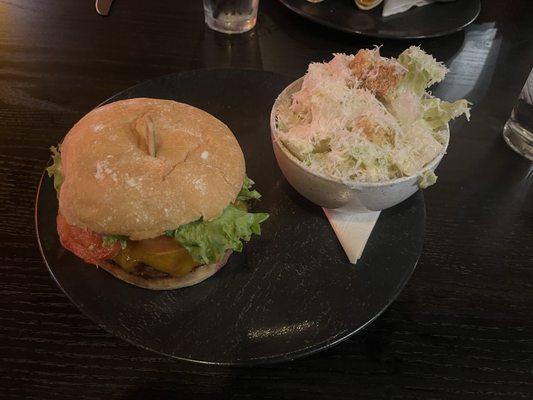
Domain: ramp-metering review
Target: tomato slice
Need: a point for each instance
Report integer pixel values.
(84, 243)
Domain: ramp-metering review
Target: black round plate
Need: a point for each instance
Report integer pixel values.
(420, 22)
(291, 292)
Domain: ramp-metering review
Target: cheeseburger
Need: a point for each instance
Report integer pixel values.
(154, 192)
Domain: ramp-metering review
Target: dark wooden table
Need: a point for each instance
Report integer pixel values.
(461, 329)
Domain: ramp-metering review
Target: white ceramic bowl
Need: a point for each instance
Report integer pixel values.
(330, 193)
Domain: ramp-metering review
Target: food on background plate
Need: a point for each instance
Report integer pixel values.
(154, 192)
(362, 4)
(367, 118)
(367, 4)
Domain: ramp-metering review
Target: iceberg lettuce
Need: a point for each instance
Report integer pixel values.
(54, 170)
(207, 241)
(426, 179)
(422, 70)
(110, 240)
(437, 113)
(247, 193)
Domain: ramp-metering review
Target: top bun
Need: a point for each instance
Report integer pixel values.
(142, 166)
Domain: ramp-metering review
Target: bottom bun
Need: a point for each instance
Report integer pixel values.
(197, 275)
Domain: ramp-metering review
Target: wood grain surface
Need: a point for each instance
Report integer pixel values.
(462, 328)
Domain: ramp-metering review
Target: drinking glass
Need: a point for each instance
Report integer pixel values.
(518, 131)
(231, 16)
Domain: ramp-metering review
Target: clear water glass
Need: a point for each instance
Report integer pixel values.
(518, 131)
(231, 16)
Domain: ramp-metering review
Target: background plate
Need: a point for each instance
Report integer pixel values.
(420, 22)
(290, 293)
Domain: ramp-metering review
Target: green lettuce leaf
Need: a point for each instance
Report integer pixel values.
(207, 241)
(110, 240)
(427, 179)
(437, 112)
(246, 193)
(54, 170)
(422, 70)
